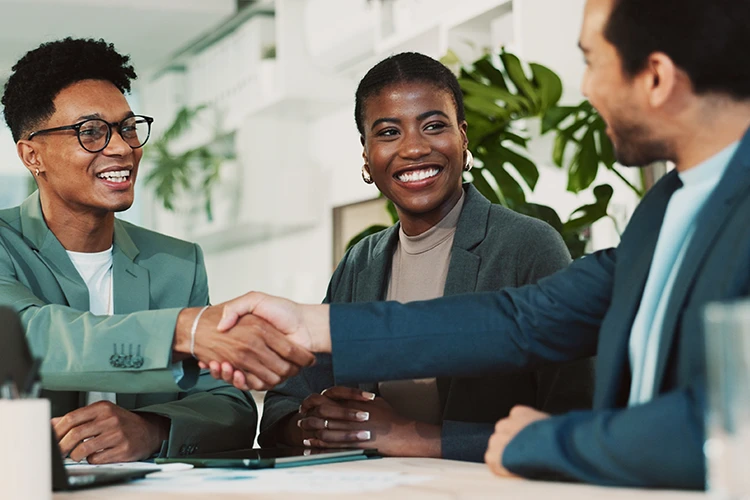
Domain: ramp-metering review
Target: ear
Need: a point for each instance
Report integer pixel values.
(29, 155)
(364, 148)
(659, 79)
(463, 127)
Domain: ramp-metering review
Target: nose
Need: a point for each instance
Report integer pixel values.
(117, 145)
(414, 145)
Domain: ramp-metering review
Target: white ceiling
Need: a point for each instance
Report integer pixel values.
(149, 30)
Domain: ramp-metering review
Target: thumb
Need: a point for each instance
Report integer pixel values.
(236, 308)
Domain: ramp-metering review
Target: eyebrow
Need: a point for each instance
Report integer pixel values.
(420, 117)
(97, 116)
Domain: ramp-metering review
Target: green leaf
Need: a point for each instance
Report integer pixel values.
(585, 164)
(549, 84)
(556, 115)
(513, 103)
(485, 67)
(586, 215)
(484, 187)
(544, 213)
(509, 187)
(518, 77)
(524, 166)
(487, 108)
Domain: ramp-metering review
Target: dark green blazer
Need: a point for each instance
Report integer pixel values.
(129, 353)
(493, 248)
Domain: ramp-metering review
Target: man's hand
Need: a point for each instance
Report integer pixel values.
(505, 430)
(307, 325)
(347, 418)
(104, 433)
(262, 356)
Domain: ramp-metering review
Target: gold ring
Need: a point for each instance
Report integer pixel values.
(325, 423)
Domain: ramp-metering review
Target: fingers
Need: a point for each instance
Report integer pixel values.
(63, 425)
(340, 393)
(234, 309)
(328, 424)
(289, 350)
(335, 412)
(93, 445)
(319, 443)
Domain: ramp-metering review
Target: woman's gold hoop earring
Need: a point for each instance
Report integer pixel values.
(469, 161)
(366, 175)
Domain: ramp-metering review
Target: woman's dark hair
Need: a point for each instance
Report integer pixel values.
(43, 72)
(406, 67)
(708, 39)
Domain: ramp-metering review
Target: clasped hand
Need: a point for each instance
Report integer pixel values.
(342, 417)
(261, 355)
(104, 433)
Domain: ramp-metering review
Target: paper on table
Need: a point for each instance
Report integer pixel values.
(273, 481)
(72, 464)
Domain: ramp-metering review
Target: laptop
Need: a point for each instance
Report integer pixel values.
(16, 360)
(270, 458)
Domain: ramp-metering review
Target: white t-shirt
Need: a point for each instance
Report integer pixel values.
(96, 271)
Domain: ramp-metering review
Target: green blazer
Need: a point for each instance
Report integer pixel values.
(129, 353)
(493, 248)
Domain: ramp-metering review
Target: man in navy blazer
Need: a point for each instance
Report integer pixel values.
(667, 77)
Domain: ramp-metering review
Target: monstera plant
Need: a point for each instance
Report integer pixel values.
(501, 95)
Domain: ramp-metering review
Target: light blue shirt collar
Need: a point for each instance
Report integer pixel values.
(710, 170)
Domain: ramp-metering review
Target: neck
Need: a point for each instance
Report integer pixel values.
(415, 224)
(714, 126)
(85, 231)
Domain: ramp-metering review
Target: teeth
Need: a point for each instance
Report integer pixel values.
(418, 175)
(115, 175)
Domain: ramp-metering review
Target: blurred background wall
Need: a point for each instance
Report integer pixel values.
(265, 91)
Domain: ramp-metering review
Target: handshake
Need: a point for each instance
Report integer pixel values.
(255, 341)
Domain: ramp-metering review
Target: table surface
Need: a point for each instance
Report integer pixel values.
(454, 480)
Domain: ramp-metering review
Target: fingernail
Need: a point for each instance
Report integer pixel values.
(299, 423)
(299, 410)
(363, 435)
(368, 395)
(306, 442)
(363, 416)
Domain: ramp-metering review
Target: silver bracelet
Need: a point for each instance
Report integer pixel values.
(194, 328)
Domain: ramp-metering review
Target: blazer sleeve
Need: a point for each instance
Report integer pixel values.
(655, 445)
(286, 398)
(556, 320)
(213, 416)
(73, 360)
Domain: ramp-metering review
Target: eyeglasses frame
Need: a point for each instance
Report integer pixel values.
(77, 128)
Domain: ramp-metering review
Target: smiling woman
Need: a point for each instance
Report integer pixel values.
(449, 240)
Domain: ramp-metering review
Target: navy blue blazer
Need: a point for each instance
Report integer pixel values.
(587, 308)
(493, 248)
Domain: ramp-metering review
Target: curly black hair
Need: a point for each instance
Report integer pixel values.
(406, 67)
(42, 73)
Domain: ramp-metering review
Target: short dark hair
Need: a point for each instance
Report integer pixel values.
(42, 73)
(406, 67)
(708, 39)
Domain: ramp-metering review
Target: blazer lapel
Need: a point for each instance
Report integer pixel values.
(131, 288)
(371, 283)
(709, 223)
(634, 256)
(463, 269)
(52, 253)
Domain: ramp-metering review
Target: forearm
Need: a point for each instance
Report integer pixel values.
(214, 417)
(658, 444)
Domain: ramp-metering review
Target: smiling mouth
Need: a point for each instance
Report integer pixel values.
(115, 176)
(418, 175)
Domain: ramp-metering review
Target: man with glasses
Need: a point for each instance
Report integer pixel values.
(110, 307)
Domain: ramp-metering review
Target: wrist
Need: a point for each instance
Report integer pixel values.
(181, 340)
(159, 427)
(289, 432)
(317, 320)
(431, 440)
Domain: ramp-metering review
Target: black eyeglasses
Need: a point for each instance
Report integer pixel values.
(94, 134)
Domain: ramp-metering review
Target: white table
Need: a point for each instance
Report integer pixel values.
(452, 480)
